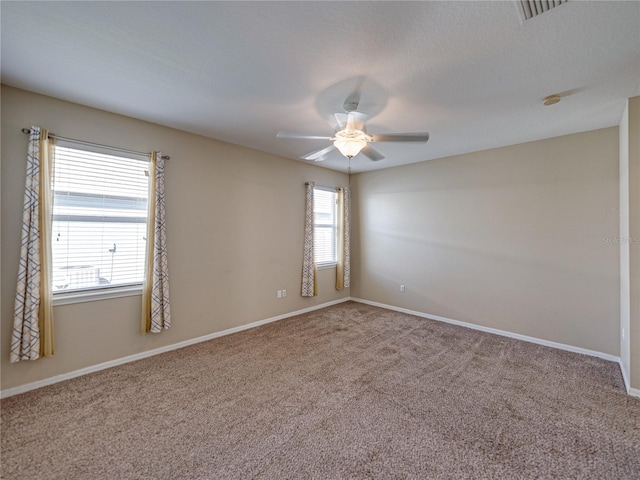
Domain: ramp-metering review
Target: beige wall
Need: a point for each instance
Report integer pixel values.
(634, 244)
(519, 238)
(235, 229)
(514, 238)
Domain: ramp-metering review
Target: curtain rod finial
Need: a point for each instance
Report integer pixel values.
(26, 130)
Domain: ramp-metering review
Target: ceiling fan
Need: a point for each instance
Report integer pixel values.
(351, 138)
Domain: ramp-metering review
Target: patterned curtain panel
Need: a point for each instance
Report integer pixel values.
(156, 312)
(309, 282)
(32, 334)
(343, 267)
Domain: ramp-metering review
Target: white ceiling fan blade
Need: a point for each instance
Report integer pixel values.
(323, 157)
(317, 154)
(354, 96)
(372, 153)
(351, 120)
(301, 136)
(355, 120)
(341, 120)
(401, 137)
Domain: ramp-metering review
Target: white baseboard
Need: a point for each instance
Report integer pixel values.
(156, 351)
(149, 353)
(504, 333)
(625, 376)
(634, 392)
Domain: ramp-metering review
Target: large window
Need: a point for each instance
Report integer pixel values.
(326, 229)
(99, 220)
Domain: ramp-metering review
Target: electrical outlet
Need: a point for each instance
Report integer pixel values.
(279, 293)
(284, 293)
(402, 288)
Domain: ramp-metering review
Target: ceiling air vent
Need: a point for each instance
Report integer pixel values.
(532, 8)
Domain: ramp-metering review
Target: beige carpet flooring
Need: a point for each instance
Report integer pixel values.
(347, 392)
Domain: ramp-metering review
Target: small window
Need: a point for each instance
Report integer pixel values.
(326, 229)
(99, 220)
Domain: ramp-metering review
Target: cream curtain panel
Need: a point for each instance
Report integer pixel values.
(32, 334)
(156, 311)
(309, 280)
(343, 267)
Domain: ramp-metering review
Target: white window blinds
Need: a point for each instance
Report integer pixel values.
(99, 220)
(325, 234)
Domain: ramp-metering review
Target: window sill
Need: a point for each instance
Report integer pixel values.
(95, 295)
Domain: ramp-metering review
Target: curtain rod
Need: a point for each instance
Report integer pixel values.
(27, 131)
(323, 187)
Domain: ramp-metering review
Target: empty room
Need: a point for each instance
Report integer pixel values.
(316, 239)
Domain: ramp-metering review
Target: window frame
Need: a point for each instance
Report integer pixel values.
(334, 262)
(101, 292)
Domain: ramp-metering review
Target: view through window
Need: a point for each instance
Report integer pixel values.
(325, 234)
(99, 220)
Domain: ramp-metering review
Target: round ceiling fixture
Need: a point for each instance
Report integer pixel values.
(550, 100)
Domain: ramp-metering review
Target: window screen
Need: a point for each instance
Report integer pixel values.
(325, 235)
(99, 220)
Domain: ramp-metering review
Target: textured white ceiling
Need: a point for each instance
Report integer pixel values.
(473, 74)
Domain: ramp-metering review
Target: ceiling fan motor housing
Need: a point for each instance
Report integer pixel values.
(350, 106)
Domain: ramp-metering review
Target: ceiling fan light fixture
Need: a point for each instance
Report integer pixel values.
(349, 147)
(351, 142)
